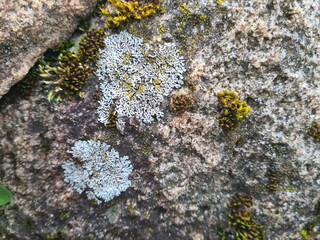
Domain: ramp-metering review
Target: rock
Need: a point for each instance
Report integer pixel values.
(186, 168)
(29, 28)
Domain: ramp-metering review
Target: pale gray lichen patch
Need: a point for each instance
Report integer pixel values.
(135, 77)
(103, 174)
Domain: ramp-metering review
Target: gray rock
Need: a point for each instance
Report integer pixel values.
(29, 28)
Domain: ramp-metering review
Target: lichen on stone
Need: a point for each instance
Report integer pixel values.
(135, 77)
(99, 170)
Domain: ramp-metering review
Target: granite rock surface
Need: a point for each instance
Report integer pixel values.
(186, 169)
(29, 28)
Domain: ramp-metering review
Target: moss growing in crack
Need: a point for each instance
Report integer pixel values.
(84, 24)
(26, 86)
(91, 43)
(241, 223)
(67, 78)
(234, 110)
(181, 103)
(120, 11)
(314, 130)
(51, 55)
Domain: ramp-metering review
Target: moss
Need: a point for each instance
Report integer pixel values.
(64, 216)
(275, 178)
(67, 78)
(29, 224)
(27, 85)
(181, 103)
(162, 29)
(304, 234)
(184, 24)
(308, 230)
(289, 12)
(219, 2)
(58, 236)
(314, 131)
(121, 11)
(112, 119)
(84, 24)
(51, 55)
(91, 43)
(241, 223)
(317, 208)
(92, 236)
(234, 110)
(96, 96)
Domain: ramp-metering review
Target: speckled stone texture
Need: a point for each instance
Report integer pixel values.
(29, 27)
(186, 169)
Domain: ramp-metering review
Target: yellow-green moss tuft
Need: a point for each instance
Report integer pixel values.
(234, 110)
(121, 11)
(91, 43)
(67, 78)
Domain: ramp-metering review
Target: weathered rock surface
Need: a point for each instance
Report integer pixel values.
(185, 168)
(29, 28)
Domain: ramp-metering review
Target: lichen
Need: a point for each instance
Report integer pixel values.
(99, 170)
(234, 110)
(120, 11)
(135, 77)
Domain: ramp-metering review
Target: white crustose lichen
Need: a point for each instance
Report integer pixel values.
(135, 76)
(102, 173)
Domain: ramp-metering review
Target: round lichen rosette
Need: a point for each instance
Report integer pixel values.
(98, 170)
(135, 77)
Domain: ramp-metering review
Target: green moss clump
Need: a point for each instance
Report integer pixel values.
(304, 234)
(67, 78)
(58, 236)
(91, 43)
(314, 130)
(112, 118)
(308, 230)
(275, 178)
(234, 110)
(26, 86)
(241, 224)
(51, 55)
(181, 103)
(241, 219)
